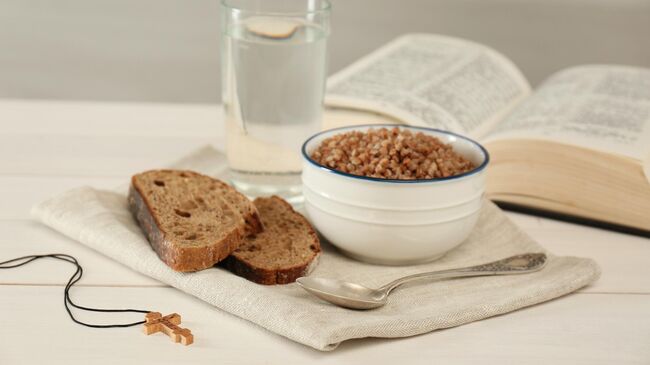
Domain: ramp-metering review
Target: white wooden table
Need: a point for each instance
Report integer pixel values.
(49, 147)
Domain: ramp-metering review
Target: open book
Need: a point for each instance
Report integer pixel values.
(578, 146)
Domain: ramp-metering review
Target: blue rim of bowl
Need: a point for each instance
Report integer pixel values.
(476, 170)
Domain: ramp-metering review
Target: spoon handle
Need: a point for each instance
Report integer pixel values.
(519, 264)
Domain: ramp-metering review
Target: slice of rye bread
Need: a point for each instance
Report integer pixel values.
(245, 207)
(287, 249)
(188, 218)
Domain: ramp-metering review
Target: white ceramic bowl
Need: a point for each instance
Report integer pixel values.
(394, 222)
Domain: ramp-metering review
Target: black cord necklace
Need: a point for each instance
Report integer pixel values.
(20, 261)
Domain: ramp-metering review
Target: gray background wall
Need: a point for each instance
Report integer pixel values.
(167, 50)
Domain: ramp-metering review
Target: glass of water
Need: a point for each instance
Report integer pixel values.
(274, 62)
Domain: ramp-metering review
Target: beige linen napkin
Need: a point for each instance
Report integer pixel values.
(101, 220)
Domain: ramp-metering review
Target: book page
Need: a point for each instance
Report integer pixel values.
(433, 81)
(606, 108)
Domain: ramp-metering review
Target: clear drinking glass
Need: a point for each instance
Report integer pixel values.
(274, 61)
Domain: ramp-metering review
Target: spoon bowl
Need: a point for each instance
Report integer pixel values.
(356, 296)
(343, 293)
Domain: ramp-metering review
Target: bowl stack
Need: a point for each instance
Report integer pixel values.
(394, 222)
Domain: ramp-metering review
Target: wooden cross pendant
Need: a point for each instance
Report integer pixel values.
(155, 322)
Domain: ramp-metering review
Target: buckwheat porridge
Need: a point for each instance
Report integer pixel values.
(390, 154)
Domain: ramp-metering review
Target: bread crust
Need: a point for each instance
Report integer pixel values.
(269, 277)
(179, 258)
(276, 276)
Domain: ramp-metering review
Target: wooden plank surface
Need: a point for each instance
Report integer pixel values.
(45, 138)
(624, 259)
(579, 329)
(43, 117)
(90, 156)
(19, 194)
(24, 237)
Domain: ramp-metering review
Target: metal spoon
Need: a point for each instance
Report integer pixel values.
(355, 296)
